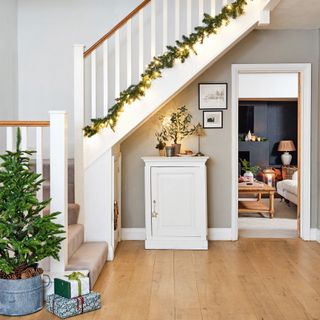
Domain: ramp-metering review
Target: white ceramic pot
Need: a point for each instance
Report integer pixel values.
(248, 176)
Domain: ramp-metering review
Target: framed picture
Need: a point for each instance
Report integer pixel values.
(212, 119)
(213, 96)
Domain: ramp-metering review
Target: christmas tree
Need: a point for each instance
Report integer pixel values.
(26, 237)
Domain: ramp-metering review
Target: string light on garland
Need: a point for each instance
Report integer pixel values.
(178, 53)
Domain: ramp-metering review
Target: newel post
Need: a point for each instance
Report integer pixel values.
(59, 181)
(78, 50)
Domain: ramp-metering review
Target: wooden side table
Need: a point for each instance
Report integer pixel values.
(288, 171)
(258, 188)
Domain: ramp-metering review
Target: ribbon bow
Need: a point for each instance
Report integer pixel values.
(76, 276)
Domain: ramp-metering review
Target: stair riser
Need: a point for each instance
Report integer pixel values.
(46, 171)
(46, 192)
(75, 238)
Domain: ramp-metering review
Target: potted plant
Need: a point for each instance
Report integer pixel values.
(26, 237)
(178, 126)
(161, 141)
(249, 171)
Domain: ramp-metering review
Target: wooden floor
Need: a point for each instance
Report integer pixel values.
(252, 279)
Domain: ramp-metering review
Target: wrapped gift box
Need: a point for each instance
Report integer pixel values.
(65, 308)
(48, 280)
(72, 287)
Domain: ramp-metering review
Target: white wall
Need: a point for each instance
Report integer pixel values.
(8, 59)
(47, 30)
(270, 85)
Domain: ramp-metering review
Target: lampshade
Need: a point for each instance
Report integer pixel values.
(200, 131)
(286, 145)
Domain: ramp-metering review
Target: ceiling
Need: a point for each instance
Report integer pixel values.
(296, 14)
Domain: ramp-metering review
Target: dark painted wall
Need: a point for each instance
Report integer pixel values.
(274, 120)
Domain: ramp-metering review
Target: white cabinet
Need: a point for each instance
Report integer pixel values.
(176, 203)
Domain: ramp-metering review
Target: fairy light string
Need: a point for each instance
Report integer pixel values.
(180, 52)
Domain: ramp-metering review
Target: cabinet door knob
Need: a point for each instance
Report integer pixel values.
(154, 214)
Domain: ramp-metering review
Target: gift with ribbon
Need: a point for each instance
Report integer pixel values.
(65, 308)
(73, 285)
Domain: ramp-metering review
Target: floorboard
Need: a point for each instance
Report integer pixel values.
(251, 279)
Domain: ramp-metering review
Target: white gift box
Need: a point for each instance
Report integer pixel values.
(48, 280)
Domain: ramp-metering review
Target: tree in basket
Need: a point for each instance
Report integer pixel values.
(26, 237)
(178, 126)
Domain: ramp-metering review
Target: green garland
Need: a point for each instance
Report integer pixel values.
(181, 51)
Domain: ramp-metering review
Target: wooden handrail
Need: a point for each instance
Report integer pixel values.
(116, 27)
(24, 123)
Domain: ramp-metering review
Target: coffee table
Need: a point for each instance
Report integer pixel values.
(258, 188)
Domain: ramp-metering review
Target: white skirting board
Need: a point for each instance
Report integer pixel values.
(140, 234)
(315, 234)
(213, 234)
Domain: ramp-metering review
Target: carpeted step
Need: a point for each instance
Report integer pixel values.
(46, 191)
(75, 238)
(90, 256)
(46, 170)
(73, 213)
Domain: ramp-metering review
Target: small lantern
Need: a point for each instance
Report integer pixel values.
(269, 177)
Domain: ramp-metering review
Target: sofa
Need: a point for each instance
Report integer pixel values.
(288, 189)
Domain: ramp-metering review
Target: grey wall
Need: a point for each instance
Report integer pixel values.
(261, 46)
(8, 59)
(318, 162)
(47, 31)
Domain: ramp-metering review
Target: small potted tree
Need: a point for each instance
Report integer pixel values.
(161, 141)
(26, 237)
(178, 126)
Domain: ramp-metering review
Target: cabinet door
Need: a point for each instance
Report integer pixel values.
(175, 198)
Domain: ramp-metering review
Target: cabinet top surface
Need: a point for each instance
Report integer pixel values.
(175, 159)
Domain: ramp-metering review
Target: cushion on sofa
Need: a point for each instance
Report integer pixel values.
(295, 176)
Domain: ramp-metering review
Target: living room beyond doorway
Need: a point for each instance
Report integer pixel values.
(268, 153)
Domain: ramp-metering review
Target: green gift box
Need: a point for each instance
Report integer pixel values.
(71, 286)
(65, 308)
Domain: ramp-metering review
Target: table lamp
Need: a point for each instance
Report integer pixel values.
(285, 146)
(200, 133)
(269, 177)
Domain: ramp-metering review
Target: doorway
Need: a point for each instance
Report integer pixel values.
(240, 72)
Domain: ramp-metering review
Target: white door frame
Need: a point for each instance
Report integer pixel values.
(305, 135)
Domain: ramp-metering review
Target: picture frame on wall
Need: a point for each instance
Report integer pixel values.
(212, 119)
(213, 96)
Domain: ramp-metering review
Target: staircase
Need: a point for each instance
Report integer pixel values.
(103, 71)
(82, 255)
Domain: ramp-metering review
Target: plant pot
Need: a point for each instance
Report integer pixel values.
(21, 297)
(248, 176)
(162, 153)
(177, 148)
(169, 151)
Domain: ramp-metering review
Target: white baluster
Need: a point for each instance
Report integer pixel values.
(117, 64)
(141, 46)
(189, 15)
(153, 29)
(9, 145)
(177, 20)
(200, 11)
(93, 85)
(105, 78)
(39, 158)
(24, 138)
(78, 126)
(59, 181)
(213, 8)
(129, 61)
(165, 25)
